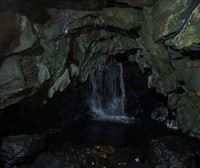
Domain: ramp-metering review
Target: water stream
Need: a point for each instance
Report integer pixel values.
(106, 97)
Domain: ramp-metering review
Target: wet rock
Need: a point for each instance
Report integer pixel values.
(162, 84)
(17, 73)
(90, 162)
(18, 76)
(170, 152)
(56, 160)
(52, 62)
(88, 157)
(103, 151)
(10, 31)
(54, 59)
(174, 54)
(43, 73)
(16, 149)
(188, 116)
(160, 58)
(60, 84)
(11, 81)
(160, 114)
(31, 69)
(187, 72)
(99, 44)
(180, 68)
(170, 17)
(142, 57)
(17, 33)
(171, 124)
(27, 38)
(121, 18)
(193, 76)
(172, 70)
(73, 157)
(188, 37)
(107, 149)
(60, 23)
(173, 100)
(127, 158)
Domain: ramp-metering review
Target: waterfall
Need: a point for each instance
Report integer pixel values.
(107, 92)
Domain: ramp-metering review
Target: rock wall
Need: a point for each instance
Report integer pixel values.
(46, 45)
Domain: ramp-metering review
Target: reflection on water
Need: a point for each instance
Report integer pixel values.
(107, 132)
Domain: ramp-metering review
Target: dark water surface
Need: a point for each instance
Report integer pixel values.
(96, 132)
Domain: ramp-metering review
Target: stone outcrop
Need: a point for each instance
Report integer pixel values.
(57, 50)
(10, 33)
(46, 45)
(15, 149)
(162, 154)
(174, 54)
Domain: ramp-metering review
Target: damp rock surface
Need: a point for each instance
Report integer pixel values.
(16, 149)
(160, 114)
(170, 152)
(165, 151)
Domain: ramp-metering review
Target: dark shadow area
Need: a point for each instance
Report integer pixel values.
(194, 55)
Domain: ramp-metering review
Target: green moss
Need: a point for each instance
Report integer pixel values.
(190, 34)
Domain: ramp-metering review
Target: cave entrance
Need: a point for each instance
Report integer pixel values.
(116, 91)
(72, 123)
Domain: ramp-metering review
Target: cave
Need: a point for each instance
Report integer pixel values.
(99, 84)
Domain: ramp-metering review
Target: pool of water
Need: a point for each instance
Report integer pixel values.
(112, 132)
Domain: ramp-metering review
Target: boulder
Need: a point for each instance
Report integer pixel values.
(188, 116)
(161, 62)
(160, 114)
(10, 31)
(27, 37)
(189, 36)
(18, 76)
(170, 17)
(162, 84)
(56, 160)
(17, 33)
(16, 149)
(168, 152)
(11, 81)
(187, 72)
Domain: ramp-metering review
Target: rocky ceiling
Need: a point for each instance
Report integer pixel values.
(46, 44)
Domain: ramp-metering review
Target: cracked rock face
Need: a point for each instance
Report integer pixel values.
(46, 45)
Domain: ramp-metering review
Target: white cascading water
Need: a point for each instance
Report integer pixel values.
(107, 92)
